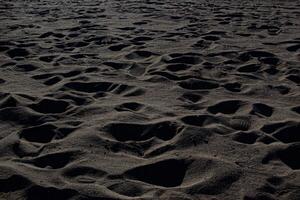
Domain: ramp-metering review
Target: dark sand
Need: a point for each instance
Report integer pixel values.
(149, 100)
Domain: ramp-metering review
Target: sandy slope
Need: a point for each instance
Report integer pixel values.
(149, 100)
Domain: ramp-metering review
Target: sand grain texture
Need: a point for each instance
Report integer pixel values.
(175, 99)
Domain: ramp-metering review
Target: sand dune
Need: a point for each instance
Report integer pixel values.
(149, 100)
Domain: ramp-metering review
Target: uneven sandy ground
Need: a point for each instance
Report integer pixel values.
(149, 100)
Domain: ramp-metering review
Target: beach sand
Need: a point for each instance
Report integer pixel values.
(171, 100)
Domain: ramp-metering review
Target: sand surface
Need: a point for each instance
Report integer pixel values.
(153, 99)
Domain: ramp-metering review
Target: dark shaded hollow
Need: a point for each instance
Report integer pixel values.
(233, 87)
(290, 156)
(245, 138)
(262, 109)
(84, 170)
(49, 193)
(186, 59)
(270, 128)
(89, 87)
(13, 183)
(195, 84)
(50, 106)
(249, 68)
(225, 107)
(17, 52)
(197, 120)
(191, 97)
(140, 132)
(40, 134)
(166, 173)
(288, 134)
(178, 67)
(133, 106)
(55, 160)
